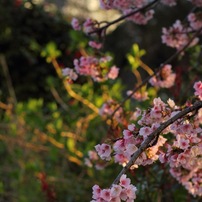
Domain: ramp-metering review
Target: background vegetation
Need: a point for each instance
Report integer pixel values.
(45, 133)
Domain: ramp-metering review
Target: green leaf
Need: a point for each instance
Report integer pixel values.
(50, 52)
(71, 144)
(1, 187)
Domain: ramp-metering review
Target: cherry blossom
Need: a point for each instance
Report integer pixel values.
(69, 73)
(179, 144)
(140, 18)
(176, 36)
(108, 108)
(197, 2)
(104, 151)
(122, 191)
(195, 20)
(198, 89)
(165, 78)
(113, 72)
(139, 95)
(95, 68)
(95, 45)
(75, 24)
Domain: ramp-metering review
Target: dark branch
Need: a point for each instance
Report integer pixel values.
(99, 30)
(154, 134)
(145, 81)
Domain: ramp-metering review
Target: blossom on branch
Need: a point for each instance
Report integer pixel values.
(164, 79)
(198, 89)
(69, 73)
(104, 151)
(75, 24)
(124, 191)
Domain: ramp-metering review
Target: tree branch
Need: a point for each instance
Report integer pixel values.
(145, 81)
(70, 91)
(99, 30)
(197, 105)
(8, 78)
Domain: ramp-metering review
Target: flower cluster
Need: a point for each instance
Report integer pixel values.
(132, 138)
(164, 79)
(174, 36)
(183, 154)
(139, 17)
(198, 89)
(124, 191)
(108, 108)
(195, 20)
(69, 74)
(183, 151)
(104, 151)
(88, 26)
(180, 34)
(92, 156)
(197, 2)
(122, 4)
(92, 159)
(95, 45)
(97, 68)
(139, 95)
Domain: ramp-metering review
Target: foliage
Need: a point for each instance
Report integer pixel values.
(51, 122)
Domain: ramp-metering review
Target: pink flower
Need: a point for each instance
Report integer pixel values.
(130, 192)
(183, 143)
(119, 145)
(106, 4)
(113, 73)
(182, 158)
(115, 190)
(124, 181)
(105, 194)
(131, 149)
(96, 192)
(198, 89)
(131, 127)
(197, 2)
(195, 20)
(75, 24)
(121, 158)
(127, 134)
(92, 155)
(162, 158)
(108, 108)
(68, 72)
(177, 36)
(88, 25)
(123, 195)
(145, 131)
(95, 45)
(104, 151)
(164, 79)
(136, 114)
(140, 18)
(139, 95)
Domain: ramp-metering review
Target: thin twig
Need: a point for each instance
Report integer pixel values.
(197, 105)
(8, 78)
(99, 30)
(145, 81)
(71, 92)
(58, 98)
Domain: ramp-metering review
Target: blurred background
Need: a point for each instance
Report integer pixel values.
(45, 134)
